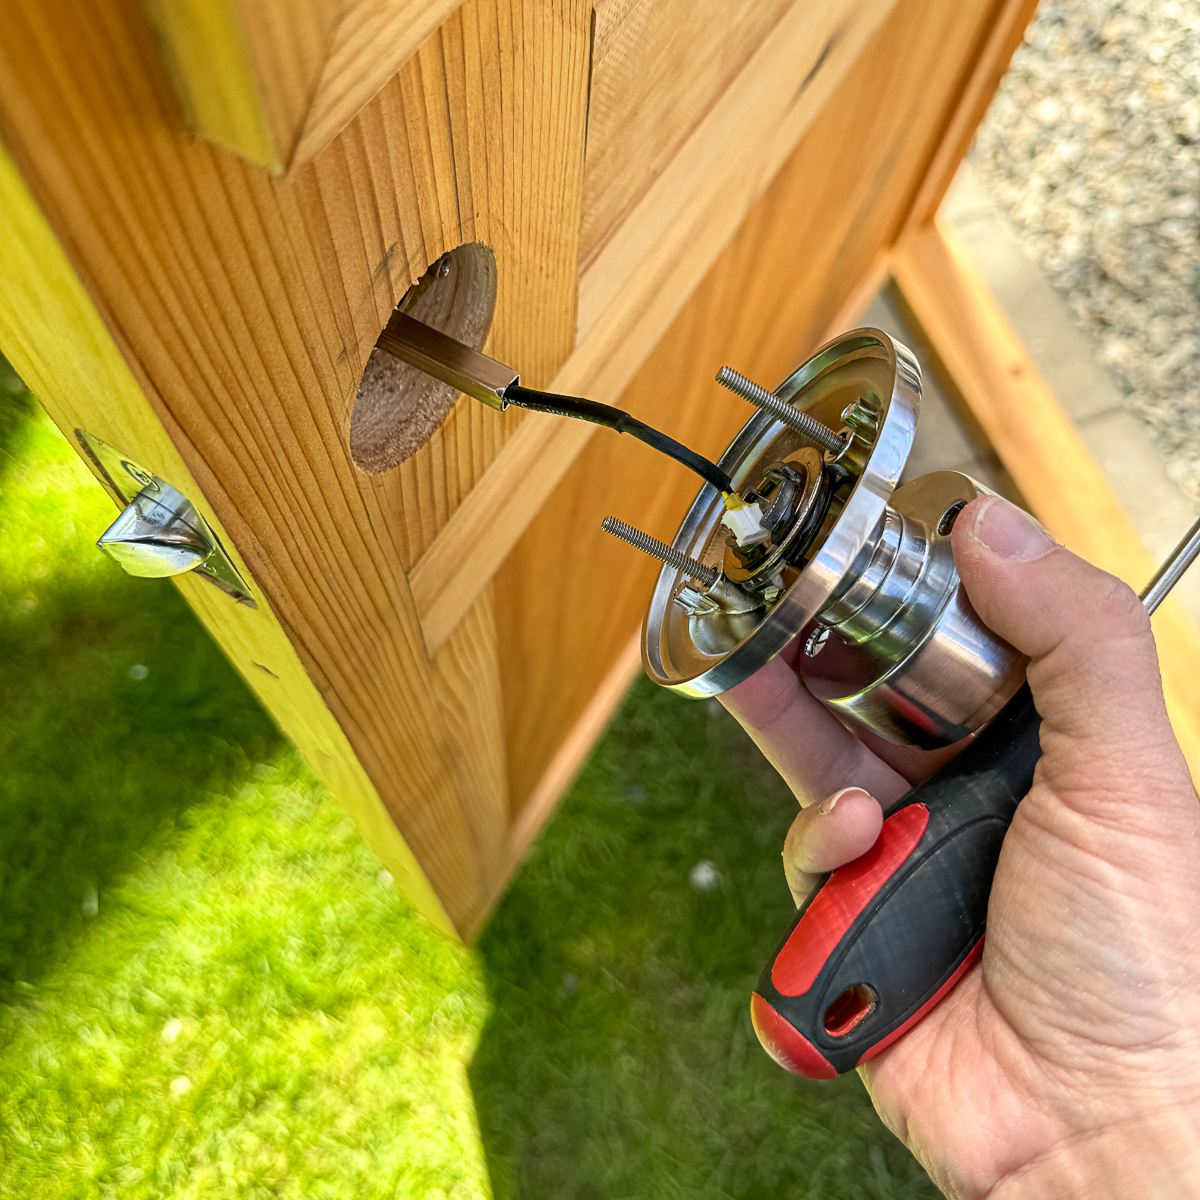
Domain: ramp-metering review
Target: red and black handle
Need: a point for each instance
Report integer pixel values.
(887, 936)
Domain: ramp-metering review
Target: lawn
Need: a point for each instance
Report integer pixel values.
(209, 987)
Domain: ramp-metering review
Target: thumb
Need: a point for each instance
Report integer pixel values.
(1093, 666)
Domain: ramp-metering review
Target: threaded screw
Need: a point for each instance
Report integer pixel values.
(660, 550)
(802, 423)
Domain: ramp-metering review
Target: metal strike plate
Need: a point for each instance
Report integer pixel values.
(159, 532)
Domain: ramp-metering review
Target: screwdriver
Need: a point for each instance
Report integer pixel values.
(886, 937)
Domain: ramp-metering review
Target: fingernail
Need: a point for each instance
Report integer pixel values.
(828, 805)
(1011, 533)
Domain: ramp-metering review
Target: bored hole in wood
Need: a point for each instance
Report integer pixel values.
(398, 408)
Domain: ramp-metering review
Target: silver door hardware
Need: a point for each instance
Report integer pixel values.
(838, 553)
(159, 532)
(803, 529)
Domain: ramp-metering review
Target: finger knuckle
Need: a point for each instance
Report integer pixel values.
(1115, 609)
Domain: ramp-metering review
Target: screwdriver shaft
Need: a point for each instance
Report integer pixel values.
(1168, 575)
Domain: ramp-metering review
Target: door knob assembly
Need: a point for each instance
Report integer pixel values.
(841, 554)
(802, 529)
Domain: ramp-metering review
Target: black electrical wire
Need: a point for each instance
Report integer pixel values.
(622, 422)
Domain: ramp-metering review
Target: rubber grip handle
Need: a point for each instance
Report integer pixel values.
(887, 936)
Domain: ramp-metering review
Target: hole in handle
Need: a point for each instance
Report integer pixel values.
(850, 1009)
(950, 516)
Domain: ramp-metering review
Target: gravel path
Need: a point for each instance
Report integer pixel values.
(1092, 148)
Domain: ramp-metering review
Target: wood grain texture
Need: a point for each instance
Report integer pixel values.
(657, 67)
(493, 516)
(989, 61)
(51, 332)
(276, 80)
(467, 686)
(811, 237)
(288, 44)
(715, 191)
(697, 199)
(373, 40)
(567, 761)
(246, 308)
(1038, 445)
(246, 71)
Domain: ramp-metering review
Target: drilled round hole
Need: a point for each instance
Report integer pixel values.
(399, 408)
(850, 1009)
(950, 516)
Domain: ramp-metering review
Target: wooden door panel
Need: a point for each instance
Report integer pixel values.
(657, 67)
(246, 307)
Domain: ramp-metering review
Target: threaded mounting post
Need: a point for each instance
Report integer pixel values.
(808, 427)
(660, 550)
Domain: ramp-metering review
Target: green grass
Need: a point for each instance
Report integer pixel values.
(208, 988)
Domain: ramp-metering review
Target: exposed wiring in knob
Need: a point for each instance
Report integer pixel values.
(492, 383)
(622, 422)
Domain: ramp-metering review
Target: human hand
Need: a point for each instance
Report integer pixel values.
(1067, 1062)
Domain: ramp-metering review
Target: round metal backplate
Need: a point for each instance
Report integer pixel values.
(863, 365)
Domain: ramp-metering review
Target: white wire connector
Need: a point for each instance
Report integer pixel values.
(744, 520)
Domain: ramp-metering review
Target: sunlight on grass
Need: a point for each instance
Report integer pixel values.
(255, 1013)
(206, 989)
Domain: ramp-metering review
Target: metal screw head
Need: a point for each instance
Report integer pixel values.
(139, 475)
(815, 642)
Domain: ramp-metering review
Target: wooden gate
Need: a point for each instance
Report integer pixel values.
(210, 208)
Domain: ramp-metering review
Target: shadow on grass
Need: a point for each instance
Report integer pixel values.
(619, 1059)
(117, 712)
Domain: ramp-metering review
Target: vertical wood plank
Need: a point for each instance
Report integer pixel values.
(53, 335)
(694, 202)
(657, 68)
(467, 686)
(998, 42)
(246, 308)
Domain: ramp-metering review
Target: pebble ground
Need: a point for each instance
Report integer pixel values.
(1092, 149)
